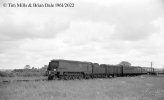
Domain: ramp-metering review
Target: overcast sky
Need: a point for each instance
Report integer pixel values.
(102, 31)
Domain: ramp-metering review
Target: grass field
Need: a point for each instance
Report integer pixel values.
(121, 88)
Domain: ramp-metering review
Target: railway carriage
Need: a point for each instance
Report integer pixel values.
(131, 71)
(116, 70)
(112, 70)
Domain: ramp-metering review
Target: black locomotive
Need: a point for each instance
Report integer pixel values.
(67, 69)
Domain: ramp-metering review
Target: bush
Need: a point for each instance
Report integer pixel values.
(29, 72)
(23, 73)
(6, 74)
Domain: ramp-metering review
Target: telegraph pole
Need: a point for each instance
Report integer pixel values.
(163, 70)
(151, 66)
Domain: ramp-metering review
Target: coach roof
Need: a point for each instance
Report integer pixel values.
(70, 61)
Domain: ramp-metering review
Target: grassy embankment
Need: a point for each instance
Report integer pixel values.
(122, 88)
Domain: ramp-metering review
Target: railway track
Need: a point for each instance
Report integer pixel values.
(36, 80)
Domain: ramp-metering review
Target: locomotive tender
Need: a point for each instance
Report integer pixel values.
(68, 69)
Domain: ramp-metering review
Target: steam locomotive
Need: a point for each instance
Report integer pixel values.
(68, 69)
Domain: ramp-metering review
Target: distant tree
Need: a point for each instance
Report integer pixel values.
(44, 67)
(33, 68)
(125, 63)
(27, 67)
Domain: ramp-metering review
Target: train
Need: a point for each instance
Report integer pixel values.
(69, 69)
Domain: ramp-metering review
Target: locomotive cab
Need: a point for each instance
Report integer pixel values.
(52, 69)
